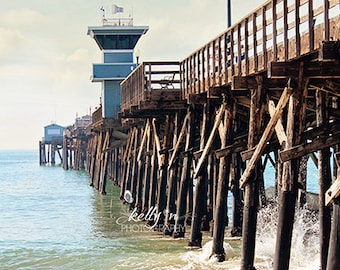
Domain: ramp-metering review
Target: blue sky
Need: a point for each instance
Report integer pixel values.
(46, 57)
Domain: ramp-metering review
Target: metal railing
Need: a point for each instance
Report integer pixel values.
(117, 21)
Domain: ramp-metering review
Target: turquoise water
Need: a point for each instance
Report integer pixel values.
(53, 219)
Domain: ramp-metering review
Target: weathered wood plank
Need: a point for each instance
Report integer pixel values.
(290, 174)
(241, 82)
(317, 69)
(305, 148)
(143, 142)
(279, 129)
(325, 178)
(200, 187)
(179, 140)
(333, 192)
(329, 50)
(239, 144)
(266, 135)
(251, 189)
(329, 87)
(220, 212)
(280, 133)
(181, 208)
(210, 140)
(157, 141)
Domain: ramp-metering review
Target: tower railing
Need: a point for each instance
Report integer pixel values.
(118, 21)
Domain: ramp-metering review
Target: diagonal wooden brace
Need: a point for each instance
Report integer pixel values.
(266, 135)
(334, 191)
(179, 140)
(210, 141)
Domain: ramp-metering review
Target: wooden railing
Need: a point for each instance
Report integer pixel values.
(280, 30)
(97, 115)
(146, 78)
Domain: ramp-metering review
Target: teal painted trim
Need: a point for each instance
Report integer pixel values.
(107, 71)
(118, 57)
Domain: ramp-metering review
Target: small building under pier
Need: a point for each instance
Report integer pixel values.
(51, 143)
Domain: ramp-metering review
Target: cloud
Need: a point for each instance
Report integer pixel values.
(11, 40)
(80, 55)
(22, 18)
(17, 29)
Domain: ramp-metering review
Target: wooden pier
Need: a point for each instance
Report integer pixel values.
(267, 89)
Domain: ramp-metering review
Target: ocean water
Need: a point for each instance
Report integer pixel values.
(53, 219)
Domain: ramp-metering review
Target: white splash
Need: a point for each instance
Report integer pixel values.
(202, 259)
(305, 240)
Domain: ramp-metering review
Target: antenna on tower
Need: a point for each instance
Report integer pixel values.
(103, 14)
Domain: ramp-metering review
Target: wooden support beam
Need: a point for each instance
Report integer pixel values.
(220, 211)
(197, 98)
(134, 168)
(317, 69)
(325, 179)
(241, 82)
(172, 183)
(251, 188)
(210, 140)
(306, 148)
(104, 161)
(279, 129)
(270, 147)
(98, 160)
(326, 128)
(334, 191)
(153, 179)
(329, 50)
(240, 144)
(147, 173)
(126, 163)
(224, 152)
(157, 141)
(290, 174)
(333, 261)
(179, 140)
(163, 175)
(217, 92)
(141, 147)
(181, 206)
(266, 135)
(329, 87)
(199, 202)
